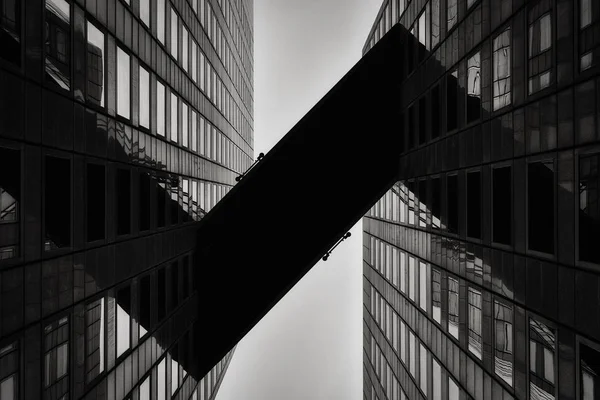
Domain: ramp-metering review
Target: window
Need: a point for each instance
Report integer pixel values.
(145, 98)
(474, 88)
(589, 372)
(542, 347)
(145, 11)
(184, 124)
(474, 298)
(161, 377)
(436, 295)
(10, 195)
(540, 56)
(423, 292)
(589, 208)
(145, 389)
(123, 319)
(144, 305)
(452, 13)
(94, 323)
(435, 112)
(174, 285)
(160, 20)
(503, 341)
(161, 204)
(144, 198)
(453, 307)
(452, 203)
(470, 3)
(57, 41)
(540, 189)
(174, 370)
(123, 83)
(403, 341)
(95, 65)
(194, 130)
(436, 380)
(160, 109)
(502, 205)
(452, 101)
(10, 28)
(9, 382)
(435, 22)
(589, 43)
(123, 201)
(474, 204)
(502, 70)
(184, 48)
(57, 196)
(174, 28)
(423, 368)
(161, 297)
(95, 202)
(403, 272)
(412, 348)
(56, 358)
(194, 61)
(423, 204)
(174, 116)
(412, 279)
(453, 390)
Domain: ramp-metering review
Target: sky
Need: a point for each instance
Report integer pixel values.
(309, 346)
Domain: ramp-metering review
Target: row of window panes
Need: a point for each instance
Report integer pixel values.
(417, 281)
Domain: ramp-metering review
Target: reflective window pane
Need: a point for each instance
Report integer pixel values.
(589, 372)
(123, 319)
(503, 353)
(474, 326)
(540, 181)
(58, 42)
(474, 88)
(144, 98)
(57, 197)
(145, 11)
(474, 205)
(502, 70)
(453, 307)
(174, 31)
(174, 109)
(123, 83)
(160, 20)
(10, 31)
(502, 205)
(542, 347)
(589, 208)
(95, 65)
(160, 109)
(94, 322)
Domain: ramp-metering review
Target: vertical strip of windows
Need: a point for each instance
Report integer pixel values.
(123, 319)
(94, 353)
(436, 295)
(184, 124)
(57, 204)
(540, 54)
(174, 31)
(502, 205)
(452, 13)
(423, 292)
(9, 381)
(474, 88)
(56, 358)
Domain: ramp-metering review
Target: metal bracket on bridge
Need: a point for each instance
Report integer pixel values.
(346, 236)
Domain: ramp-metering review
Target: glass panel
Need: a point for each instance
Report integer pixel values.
(57, 41)
(474, 88)
(10, 30)
(123, 320)
(174, 116)
(145, 389)
(437, 381)
(57, 197)
(174, 30)
(160, 109)
(145, 11)
(453, 390)
(436, 295)
(452, 203)
(451, 101)
(412, 280)
(504, 341)
(10, 184)
(589, 367)
(540, 189)
(161, 375)
(585, 13)
(95, 65)
(423, 293)
(145, 299)
(94, 320)
(502, 205)
(453, 307)
(423, 368)
(8, 388)
(452, 13)
(145, 98)
(123, 201)
(474, 205)
(474, 297)
(160, 20)
(123, 83)
(589, 208)
(502, 70)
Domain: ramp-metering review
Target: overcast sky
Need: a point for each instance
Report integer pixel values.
(309, 346)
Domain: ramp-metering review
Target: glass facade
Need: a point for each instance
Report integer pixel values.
(495, 212)
(110, 113)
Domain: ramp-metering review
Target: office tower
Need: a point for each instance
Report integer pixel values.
(122, 122)
(481, 263)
